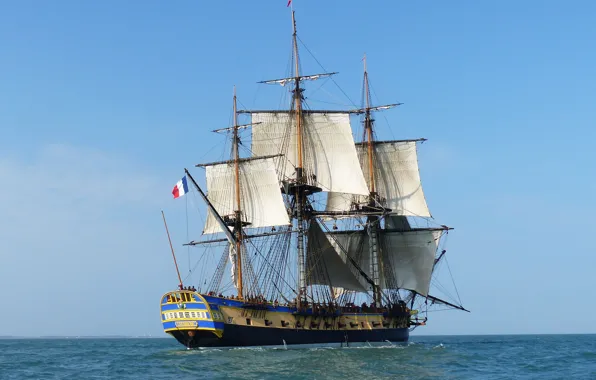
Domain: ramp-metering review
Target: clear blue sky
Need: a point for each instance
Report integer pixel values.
(102, 105)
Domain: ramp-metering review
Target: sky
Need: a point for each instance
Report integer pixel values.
(103, 104)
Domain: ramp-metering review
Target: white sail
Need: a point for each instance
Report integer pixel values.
(407, 257)
(411, 256)
(355, 245)
(341, 202)
(330, 160)
(327, 265)
(260, 198)
(397, 180)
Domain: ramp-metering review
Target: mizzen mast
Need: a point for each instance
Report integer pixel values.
(238, 207)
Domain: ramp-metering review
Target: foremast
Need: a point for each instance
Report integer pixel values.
(395, 192)
(374, 202)
(372, 220)
(395, 220)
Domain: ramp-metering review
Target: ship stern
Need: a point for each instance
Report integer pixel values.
(188, 317)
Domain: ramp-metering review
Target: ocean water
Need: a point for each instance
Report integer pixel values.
(444, 357)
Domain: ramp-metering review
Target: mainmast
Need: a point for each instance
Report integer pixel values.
(299, 169)
(373, 220)
(237, 209)
(298, 101)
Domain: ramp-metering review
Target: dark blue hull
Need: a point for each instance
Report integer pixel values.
(241, 336)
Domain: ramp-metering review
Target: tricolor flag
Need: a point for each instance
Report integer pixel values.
(181, 188)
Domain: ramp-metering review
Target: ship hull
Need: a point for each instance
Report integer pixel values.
(198, 320)
(243, 336)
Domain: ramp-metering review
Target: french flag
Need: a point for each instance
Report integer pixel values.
(181, 188)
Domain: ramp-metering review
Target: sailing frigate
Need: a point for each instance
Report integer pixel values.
(316, 230)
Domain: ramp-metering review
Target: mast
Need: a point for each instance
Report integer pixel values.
(238, 210)
(368, 127)
(298, 100)
(373, 220)
(299, 170)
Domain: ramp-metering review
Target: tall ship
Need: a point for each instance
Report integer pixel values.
(318, 238)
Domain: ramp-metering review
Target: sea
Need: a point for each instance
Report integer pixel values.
(424, 357)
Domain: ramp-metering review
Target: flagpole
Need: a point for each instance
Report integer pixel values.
(172, 248)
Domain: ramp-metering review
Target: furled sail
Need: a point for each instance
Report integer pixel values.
(232, 257)
(397, 179)
(326, 264)
(330, 160)
(407, 257)
(260, 198)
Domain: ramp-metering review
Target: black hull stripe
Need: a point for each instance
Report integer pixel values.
(242, 336)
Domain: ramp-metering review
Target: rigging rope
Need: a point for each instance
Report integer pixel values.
(453, 281)
(187, 236)
(325, 70)
(384, 117)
